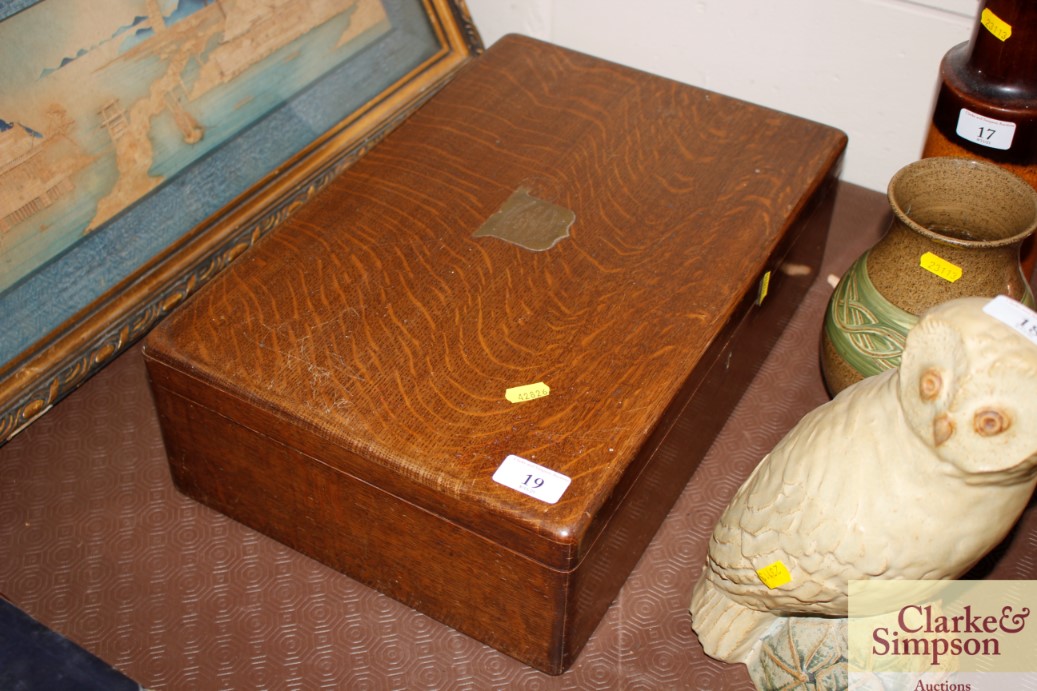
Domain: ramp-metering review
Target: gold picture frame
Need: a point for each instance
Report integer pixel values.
(58, 333)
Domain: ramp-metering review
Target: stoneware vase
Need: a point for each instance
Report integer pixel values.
(986, 106)
(957, 228)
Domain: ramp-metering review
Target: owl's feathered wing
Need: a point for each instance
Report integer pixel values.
(802, 508)
(912, 474)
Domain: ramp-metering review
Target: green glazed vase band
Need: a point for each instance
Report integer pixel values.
(865, 329)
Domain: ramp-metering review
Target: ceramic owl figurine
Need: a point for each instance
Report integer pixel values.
(915, 474)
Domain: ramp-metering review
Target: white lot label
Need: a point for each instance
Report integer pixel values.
(996, 134)
(1014, 314)
(532, 479)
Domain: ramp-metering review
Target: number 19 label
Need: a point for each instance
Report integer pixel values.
(532, 479)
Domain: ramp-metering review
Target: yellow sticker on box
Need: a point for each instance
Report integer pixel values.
(765, 284)
(527, 392)
(774, 575)
(995, 25)
(940, 267)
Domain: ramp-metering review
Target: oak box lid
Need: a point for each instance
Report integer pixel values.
(378, 330)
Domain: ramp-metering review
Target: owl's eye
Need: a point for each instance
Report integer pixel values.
(930, 384)
(989, 422)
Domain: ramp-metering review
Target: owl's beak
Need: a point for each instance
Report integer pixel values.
(943, 429)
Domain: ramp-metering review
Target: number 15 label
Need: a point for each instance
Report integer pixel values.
(532, 479)
(976, 128)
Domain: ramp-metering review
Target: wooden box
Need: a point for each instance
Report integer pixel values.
(476, 371)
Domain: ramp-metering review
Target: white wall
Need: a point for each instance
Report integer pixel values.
(868, 67)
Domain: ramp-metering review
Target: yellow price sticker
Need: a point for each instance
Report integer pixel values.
(765, 284)
(520, 394)
(774, 575)
(940, 267)
(995, 25)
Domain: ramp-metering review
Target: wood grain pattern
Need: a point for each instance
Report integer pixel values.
(372, 338)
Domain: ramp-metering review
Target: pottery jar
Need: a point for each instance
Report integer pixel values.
(986, 106)
(957, 226)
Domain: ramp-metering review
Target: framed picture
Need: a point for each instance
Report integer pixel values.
(144, 144)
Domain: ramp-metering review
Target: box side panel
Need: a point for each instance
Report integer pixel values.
(683, 438)
(313, 442)
(449, 573)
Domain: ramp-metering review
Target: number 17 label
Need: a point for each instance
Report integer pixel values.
(979, 129)
(532, 479)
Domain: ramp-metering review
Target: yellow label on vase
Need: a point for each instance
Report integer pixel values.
(940, 267)
(995, 25)
(774, 575)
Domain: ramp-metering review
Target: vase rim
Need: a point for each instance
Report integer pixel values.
(950, 164)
